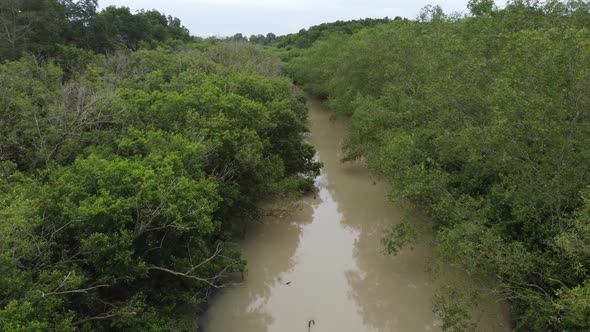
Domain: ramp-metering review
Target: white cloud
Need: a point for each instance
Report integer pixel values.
(268, 4)
(227, 17)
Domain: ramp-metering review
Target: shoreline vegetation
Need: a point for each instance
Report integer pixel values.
(132, 155)
(480, 120)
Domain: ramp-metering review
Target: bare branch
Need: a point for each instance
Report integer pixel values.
(84, 291)
(73, 291)
(217, 251)
(208, 281)
(107, 315)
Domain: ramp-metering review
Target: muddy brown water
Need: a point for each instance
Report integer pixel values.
(324, 261)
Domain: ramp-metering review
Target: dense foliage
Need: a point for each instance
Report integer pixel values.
(483, 121)
(125, 176)
(305, 38)
(56, 28)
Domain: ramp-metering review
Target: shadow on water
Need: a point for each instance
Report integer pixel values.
(269, 249)
(325, 263)
(392, 293)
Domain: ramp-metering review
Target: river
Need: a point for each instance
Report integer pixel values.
(324, 261)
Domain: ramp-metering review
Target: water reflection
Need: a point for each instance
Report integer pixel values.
(325, 261)
(270, 250)
(391, 293)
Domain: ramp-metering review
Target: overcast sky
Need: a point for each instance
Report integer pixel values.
(227, 17)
